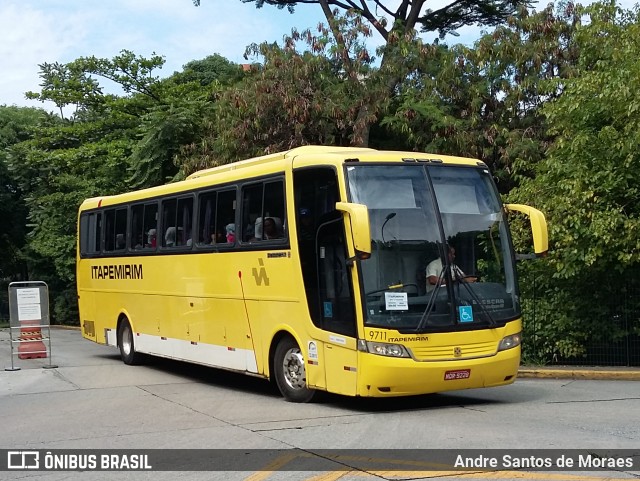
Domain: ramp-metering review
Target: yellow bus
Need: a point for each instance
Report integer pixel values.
(320, 268)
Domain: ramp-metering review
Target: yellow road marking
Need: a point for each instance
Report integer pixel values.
(275, 465)
(333, 475)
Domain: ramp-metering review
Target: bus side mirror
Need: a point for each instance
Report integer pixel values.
(360, 231)
(538, 226)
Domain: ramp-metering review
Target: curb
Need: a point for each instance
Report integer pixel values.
(623, 374)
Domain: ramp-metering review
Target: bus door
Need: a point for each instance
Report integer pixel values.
(335, 311)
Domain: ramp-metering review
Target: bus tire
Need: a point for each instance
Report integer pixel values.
(126, 344)
(290, 374)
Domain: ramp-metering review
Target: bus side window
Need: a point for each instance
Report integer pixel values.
(216, 221)
(207, 232)
(90, 233)
(115, 230)
(168, 233)
(177, 225)
(264, 200)
(226, 216)
(143, 225)
(184, 227)
(150, 225)
(251, 211)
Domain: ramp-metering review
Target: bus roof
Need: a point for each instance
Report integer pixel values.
(301, 156)
(313, 153)
(289, 154)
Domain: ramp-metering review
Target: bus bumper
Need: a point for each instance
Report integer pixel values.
(381, 376)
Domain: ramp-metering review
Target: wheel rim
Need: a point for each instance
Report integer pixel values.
(293, 369)
(127, 342)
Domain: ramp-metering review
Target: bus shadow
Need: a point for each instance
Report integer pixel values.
(425, 402)
(221, 378)
(213, 376)
(476, 399)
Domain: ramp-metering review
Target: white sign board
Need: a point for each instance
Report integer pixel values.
(396, 301)
(28, 301)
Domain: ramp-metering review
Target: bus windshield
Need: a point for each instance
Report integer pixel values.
(441, 254)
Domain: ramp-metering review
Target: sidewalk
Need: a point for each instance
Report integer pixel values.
(580, 372)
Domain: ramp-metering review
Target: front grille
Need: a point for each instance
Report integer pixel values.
(448, 353)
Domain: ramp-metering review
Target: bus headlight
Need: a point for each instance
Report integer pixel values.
(509, 342)
(384, 349)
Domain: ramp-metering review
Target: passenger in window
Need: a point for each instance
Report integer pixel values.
(217, 237)
(231, 233)
(139, 244)
(267, 230)
(250, 233)
(120, 243)
(170, 237)
(271, 229)
(151, 239)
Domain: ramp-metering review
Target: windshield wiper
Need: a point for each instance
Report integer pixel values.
(427, 310)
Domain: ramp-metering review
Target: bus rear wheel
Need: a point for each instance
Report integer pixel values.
(125, 342)
(290, 374)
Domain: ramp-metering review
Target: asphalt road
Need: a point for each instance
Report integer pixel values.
(91, 400)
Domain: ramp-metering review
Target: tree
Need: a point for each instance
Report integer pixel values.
(486, 101)
(587, 186)
(293, 96)
(396, 33)
(81, 156)
(109, 144)
(17, 124)
(210, 70)
(61, 165)
(173, 133)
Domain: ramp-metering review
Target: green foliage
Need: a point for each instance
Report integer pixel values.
(16, 125)
(311, 95)
(134, 74)
(164, 132)
(445, 20)
(170, 131)
(485, 102)
(400, 41)
(587, 186)
(66, 161)
(65, 85)
(449, 18)
(214, 69)
(109, 144)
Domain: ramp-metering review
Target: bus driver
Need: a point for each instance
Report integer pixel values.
(435, 274)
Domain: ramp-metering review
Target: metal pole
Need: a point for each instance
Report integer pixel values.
(50, 366)
(12, 368)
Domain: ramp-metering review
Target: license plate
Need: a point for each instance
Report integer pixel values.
(459, 374)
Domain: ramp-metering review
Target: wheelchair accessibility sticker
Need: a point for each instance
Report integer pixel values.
(465, 313)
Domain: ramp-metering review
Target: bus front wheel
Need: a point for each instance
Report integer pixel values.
(290, 374)
(125, 342)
